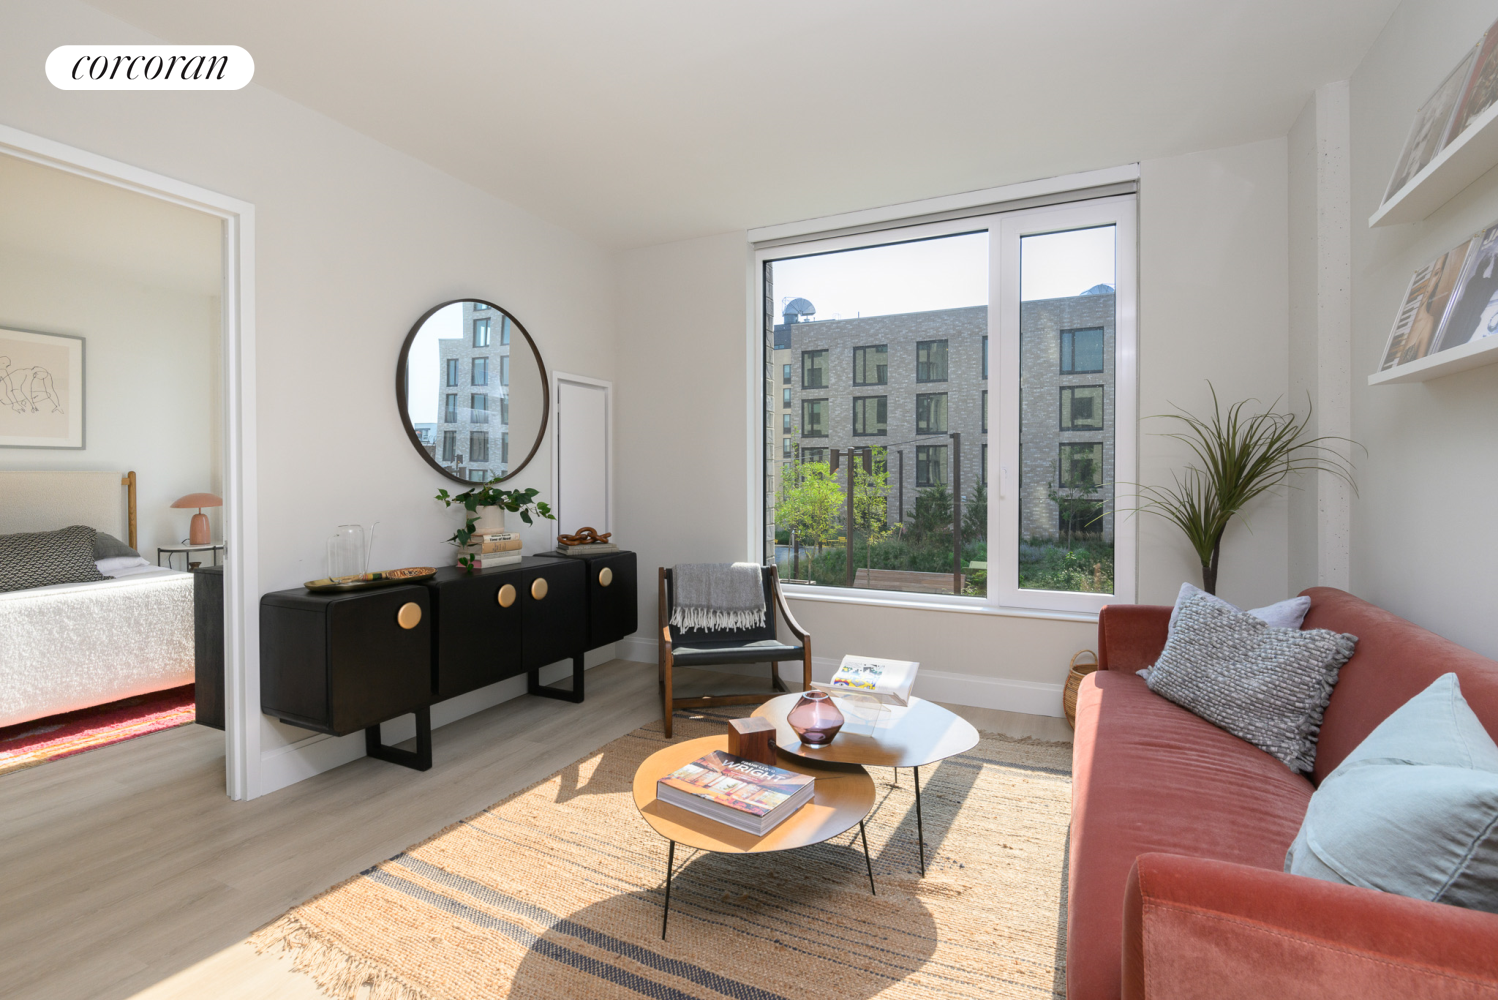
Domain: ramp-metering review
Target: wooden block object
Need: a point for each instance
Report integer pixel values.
(752, 739)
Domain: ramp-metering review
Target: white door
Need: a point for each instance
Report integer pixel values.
(582, 436)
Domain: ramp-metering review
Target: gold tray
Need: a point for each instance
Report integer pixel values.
(370, 581)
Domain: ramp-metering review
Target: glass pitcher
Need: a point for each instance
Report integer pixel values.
(347, 554)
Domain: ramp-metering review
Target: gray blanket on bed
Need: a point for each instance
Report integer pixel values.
(718, 597)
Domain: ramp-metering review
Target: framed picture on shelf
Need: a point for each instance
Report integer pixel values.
(41, 390)
(1482, 85)
(1432, 123)
(1473, 312)
(1424, 306)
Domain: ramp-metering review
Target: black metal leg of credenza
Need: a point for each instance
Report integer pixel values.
(419, 759)
(533, 683)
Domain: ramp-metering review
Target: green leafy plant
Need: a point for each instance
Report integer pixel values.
(522, 502)
(1238, 457)
(809, 503)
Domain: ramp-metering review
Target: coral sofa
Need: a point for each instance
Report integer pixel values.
(1179, 832)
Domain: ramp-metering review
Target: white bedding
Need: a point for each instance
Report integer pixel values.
(73, 645)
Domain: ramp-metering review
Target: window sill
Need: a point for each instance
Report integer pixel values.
(927, 602)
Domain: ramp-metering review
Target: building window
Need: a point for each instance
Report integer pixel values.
(480, 306)
(478, 475)
(813, 369)
(1081, 407)
(449, 445)
(480, 371)
(450, 408)
(814, 418)
(1081, 351)
(504, 448)
(983, 469)
(785, 374)
(785, 447)
(504, 369)
(504, 409)
(785, 398)
(479, 410)
(1081, 465)
(452, 371)
(985, 412)
(930, 464)
(985, 357)
(871, 365)
(785, 423)
(478, 446)
(481, 332)
(813, 455)
(931, 361)
(870, 416)
(931, 413)
(504, 330)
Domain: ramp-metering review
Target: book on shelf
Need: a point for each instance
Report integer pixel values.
(743, 794)
(588, 549)
(496, 536)
(888, 681)
(489, 560)
(476, 548)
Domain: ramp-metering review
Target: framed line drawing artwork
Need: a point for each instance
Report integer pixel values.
(41, 390)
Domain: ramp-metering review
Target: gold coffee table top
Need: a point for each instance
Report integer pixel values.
(842, 798)
(919, 734)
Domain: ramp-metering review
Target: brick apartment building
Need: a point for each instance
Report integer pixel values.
(471, 436)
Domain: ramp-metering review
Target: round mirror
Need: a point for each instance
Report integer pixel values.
(472, 391)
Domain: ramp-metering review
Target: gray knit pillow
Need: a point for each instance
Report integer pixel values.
(42, 558)
(1266, 685)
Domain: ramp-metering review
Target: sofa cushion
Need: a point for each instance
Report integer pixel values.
(1413, 810)
(1286, 614)
(1267, 685)
(1150, 776)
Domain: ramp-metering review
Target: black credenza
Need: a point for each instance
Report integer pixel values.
(339, 663)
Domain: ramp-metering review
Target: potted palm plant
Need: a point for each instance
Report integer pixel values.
(485, 508)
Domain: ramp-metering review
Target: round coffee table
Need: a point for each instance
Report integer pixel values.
(842, 799)
(919, 734)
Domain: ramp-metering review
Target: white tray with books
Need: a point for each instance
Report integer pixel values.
(886, 681)
(744, 794)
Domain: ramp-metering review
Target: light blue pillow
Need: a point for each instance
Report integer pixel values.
(1413, 810)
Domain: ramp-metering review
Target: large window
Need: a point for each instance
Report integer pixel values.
(504, 369)
(504, 331)
(931, 413)
(449, 445)
(479, 408)
(478, 446)
(785, 423)
(480, 371)
(870, 416)
(785, 374)
(813, 418)
(1029, 312)
(813, 369)
(452, 371)
(871, 365)
(481, 332)
(450, 408)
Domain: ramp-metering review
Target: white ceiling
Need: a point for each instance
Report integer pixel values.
(652, 120)
(50, 213)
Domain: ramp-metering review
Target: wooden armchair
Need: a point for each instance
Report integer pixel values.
(756, 645)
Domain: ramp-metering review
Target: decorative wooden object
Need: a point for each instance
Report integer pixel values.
(1073, 682)
(752, 739)
(584, 536)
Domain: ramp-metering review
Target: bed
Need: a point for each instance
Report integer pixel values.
(73, 645)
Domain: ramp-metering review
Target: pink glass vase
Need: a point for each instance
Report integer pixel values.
(815, 718)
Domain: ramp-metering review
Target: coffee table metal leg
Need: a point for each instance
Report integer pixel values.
(920, 832)
(670, 861)
(867, 863)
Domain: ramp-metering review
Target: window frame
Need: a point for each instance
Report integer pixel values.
(857, 367)
(826, 419)
(482, 325)
(473, 370)
(946, 466)
(1061, 408)
(946, 360)
(809, 354)
(1061, 350)
(1002, 474)
(946, 414)
(883, 403)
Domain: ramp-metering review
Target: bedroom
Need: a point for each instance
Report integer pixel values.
(109, 333)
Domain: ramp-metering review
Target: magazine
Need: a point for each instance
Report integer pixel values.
(1432, 123)
(744, 794)
(1473, 311)
(1424, 307)
(1482, 87)
(888, 681)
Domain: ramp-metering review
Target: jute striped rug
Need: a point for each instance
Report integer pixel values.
(557, 891)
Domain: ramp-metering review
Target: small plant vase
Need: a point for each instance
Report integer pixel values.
(491, 520)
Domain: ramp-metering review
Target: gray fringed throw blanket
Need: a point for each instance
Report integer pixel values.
(718, 597)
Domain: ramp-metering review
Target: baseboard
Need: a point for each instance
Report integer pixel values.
(637, 649)
(295, 762)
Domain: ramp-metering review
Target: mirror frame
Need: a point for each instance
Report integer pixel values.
(400, 389)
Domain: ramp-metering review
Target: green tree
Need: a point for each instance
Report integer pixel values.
(975, 514)
(871, 505)
(809, 503)
(931, 521)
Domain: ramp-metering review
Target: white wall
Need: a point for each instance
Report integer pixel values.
(1422, 539)
(152, 381)
(354, 242)
(1213, 304)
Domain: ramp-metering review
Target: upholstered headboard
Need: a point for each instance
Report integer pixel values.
(45, 501)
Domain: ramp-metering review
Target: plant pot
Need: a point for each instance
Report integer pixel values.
(491, 520)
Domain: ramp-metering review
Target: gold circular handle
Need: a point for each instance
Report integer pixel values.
(409, 616)
(538, 587)
(506, 595)
(605, 577)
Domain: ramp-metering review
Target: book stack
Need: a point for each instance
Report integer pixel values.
(743, 794)
(587, 549)
(888, 681)
(500, 548)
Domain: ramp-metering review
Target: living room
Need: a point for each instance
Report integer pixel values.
(625, 188)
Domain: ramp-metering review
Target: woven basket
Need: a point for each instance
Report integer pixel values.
(1073, 682)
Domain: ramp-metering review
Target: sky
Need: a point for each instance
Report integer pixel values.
(422, 363)
(946, 273)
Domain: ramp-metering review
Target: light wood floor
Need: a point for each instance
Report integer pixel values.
(126, 871)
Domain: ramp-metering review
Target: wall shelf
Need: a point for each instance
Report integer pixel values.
(1456, 359)
(1470, 155)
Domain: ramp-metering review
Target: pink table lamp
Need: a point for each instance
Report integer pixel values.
(198, 533)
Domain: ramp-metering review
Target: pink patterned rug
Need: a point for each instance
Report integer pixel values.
(56, 736)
